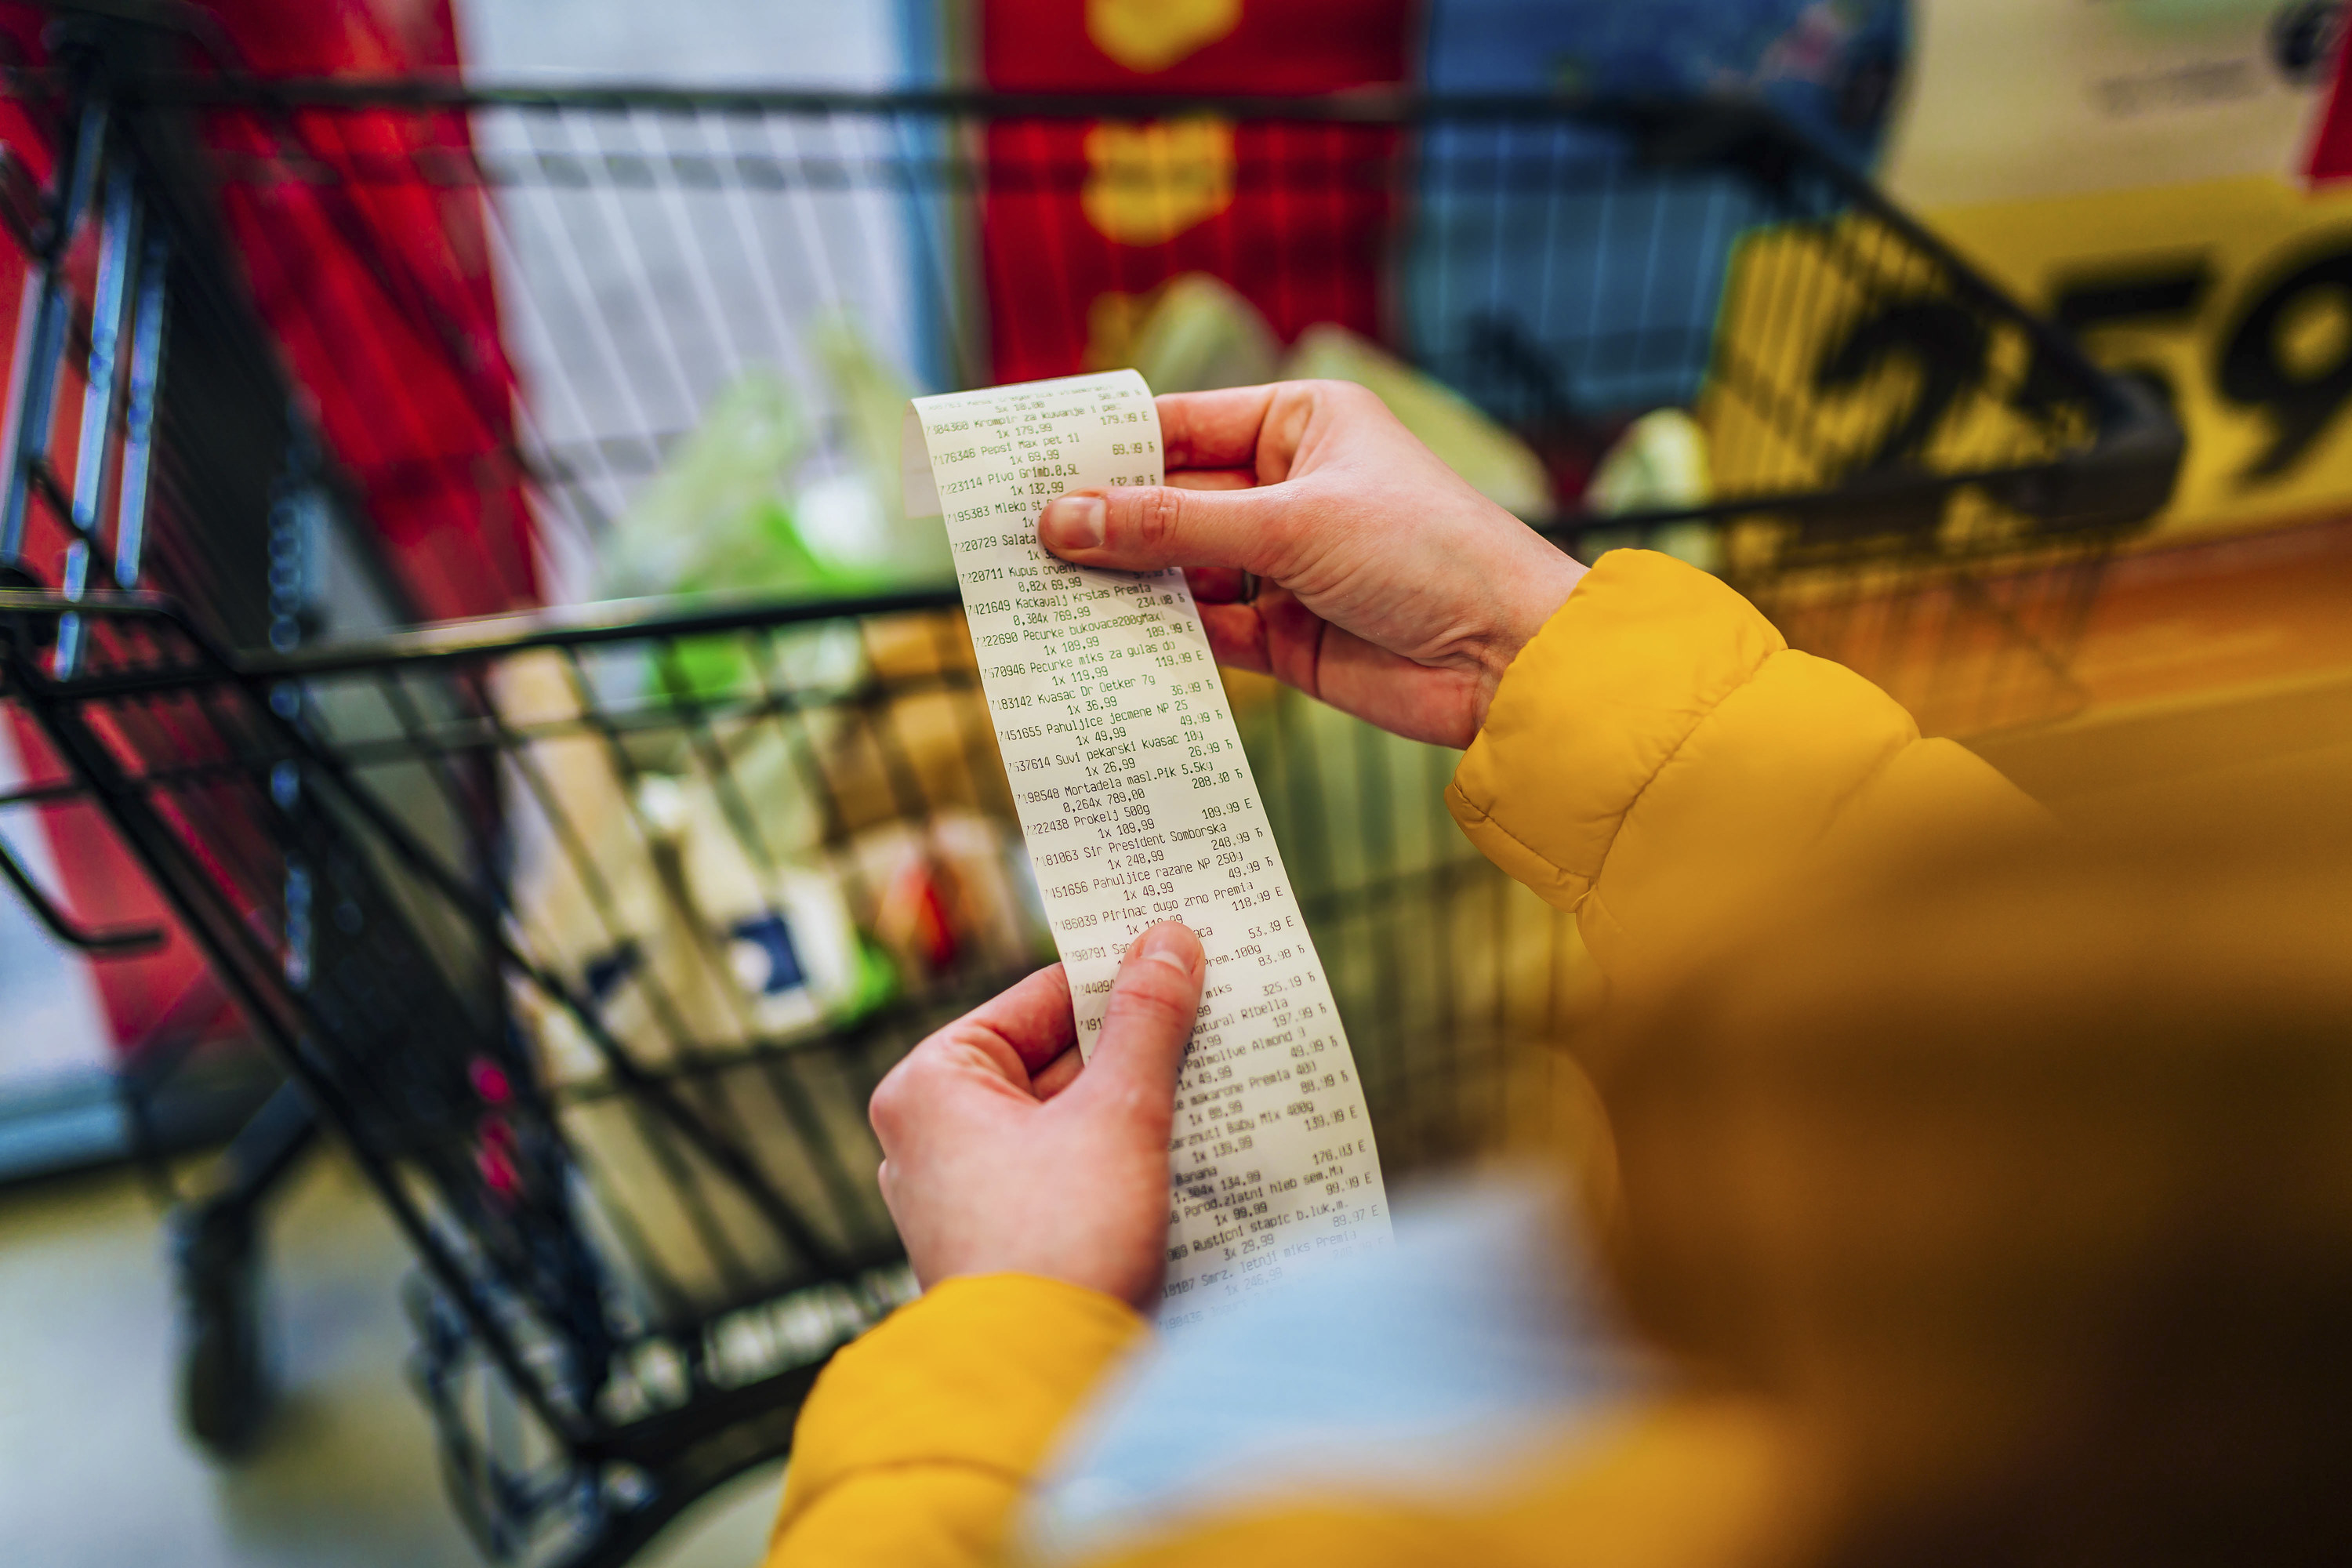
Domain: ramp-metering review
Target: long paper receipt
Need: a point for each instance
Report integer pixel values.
(1138, 807)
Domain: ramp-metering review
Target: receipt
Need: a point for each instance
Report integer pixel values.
(1139, 806)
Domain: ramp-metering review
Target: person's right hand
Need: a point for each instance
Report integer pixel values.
(1390, 589)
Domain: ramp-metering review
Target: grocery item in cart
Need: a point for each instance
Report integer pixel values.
(714, 515)
(636, 887)
(952, 891)
(852, 518)
(1499, 465)
(715, 895)
(1193, 333)
(1660, 464)
(727, 965)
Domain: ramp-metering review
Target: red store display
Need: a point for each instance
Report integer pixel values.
(1084, 219)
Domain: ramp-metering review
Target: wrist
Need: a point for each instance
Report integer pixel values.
(1048, 1282)
(1531, 600)
(1135, 1286)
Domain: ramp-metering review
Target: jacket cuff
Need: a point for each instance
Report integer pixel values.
(1594, 707)
(981, 1372)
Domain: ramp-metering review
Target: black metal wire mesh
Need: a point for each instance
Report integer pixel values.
(495, 891)
(1884, 429)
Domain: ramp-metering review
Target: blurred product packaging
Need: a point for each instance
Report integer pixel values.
(1194, 333)
(711, 896)
(758, 500)
(808, 846)
(805, 851)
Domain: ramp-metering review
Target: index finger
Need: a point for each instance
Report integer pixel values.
(1213, 429)
(1032, 1018)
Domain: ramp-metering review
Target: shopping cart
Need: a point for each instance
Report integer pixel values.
(588, 931)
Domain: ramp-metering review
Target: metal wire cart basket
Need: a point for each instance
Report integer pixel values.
(588, 931)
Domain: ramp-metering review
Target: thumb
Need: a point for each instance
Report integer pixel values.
(1146, 1025)
(1142, 528)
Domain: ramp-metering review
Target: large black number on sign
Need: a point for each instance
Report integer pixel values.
(2302, 400)
(1945, 344)
(2162, 294)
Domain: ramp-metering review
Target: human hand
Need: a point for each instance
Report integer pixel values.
(1002, 1154)
(1391, 589)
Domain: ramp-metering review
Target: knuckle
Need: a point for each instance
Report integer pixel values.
(1327, 393)
(882, 1112)
(891, 1103)
(1160, 518)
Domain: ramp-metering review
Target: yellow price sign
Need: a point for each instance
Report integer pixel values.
(1845, 356)
(2231, 297)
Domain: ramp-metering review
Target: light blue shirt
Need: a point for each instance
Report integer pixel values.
(1422, 1369)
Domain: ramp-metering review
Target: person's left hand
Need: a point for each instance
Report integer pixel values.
(1002, 1154)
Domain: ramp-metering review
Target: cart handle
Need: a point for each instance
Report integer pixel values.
(111, 942)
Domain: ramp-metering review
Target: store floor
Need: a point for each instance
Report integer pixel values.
(94, 1470)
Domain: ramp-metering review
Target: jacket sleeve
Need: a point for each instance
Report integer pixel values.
(918, 1439)
(1657, 759)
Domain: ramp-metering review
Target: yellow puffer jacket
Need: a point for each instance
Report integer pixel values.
(1656, 759)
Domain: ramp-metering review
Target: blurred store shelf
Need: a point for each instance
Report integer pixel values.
(2219, 664)
(2226, 613)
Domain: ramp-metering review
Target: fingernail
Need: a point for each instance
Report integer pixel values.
(1073, 522)
(1171, 944)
